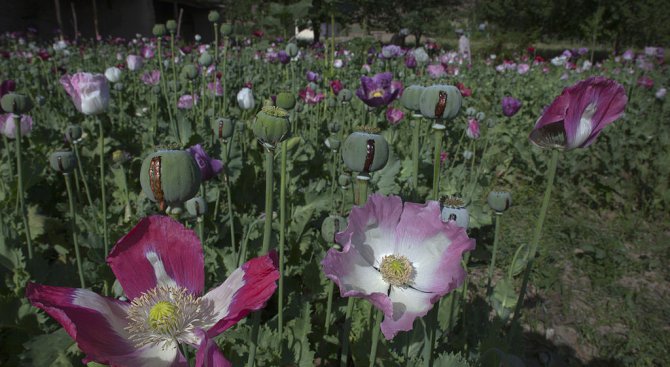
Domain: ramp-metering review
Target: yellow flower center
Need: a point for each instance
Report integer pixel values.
(396, 270)
(163, 316)
(378, 93)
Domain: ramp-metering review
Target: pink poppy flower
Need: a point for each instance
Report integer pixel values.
(436, 71)
(473, 129)
(215, 88)
(310, 96)
(645, 82)
(575, 118)
(160, 265)
(8, 127)
(401, 258)
(394, 115)
(187, 101)
(151, 78)
(89, 92)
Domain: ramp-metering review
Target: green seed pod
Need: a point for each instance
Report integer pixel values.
(332, 225)
(293, 141)
(223, 128)
(292, 49)
(331, 102)
(454, 210)
(470, 112)
(345, 96)
(171, 25)
(480, 116)
(440, 102)
(271, 126)
(285, 100)
(411, 97)
(365, 151)
(16, 103)
(205, 59)
(63, 162)
(334, 127)
(189, 71)
(333, 143)
(344, 180)
(196, 206)
(226, 29)
(170, 177)
(159, 30)
(499, 201)
(213, 16)
(73, 133)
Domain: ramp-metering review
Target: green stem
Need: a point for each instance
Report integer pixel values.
(329, 306)
(9, 155)
(223, 76)
(415, 153)
(20, 193)
(438, 131)
(229, 196)
(495, 252)
(431, 335)
(282, 239)
(375, 336)
(75, 147)
(362, 195)
(103, 191)
(73, 227)
(346, 329)
(537, 233)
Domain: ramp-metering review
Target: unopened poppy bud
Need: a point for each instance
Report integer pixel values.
(159, 30)
(223, 128)
(333, 143)
(226, 29)
(73, 133)
(293, 141)
(120, 156)
(454, 210)
(411, 97)
(16, 103)
(205, 59)
(286, 100)
(196, 206)
(344, 180)
(440, 102)
(292, 49)
(499, 201)
(365, 151)
(345, 96)
(332, 225)
(213, 16)
(63, 162)
(189, 71)
(271, 126)
(171, 25)
(170, 177)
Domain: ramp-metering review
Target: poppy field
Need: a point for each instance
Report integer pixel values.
(258, 201)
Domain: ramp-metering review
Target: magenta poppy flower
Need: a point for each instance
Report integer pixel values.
(151, 78)
(8, 127)
(336, 86)
(380, 90)
(575, 118)
(401, 258)
(160, 265)
(645, 82)
(215, 88)
(436, 71)
(89, 92)
(187, 101)
(510, 106)
(394, 115)
(310, 96)
(473, 129)
(208, 167)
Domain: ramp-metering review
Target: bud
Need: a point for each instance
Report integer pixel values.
(480, 116)
(205, 59)
(440, 102)
(245, 99)
(411, 97)
(159, 30)
(365, 151)
(170, 177)
(293, 141)
(499, 201)
(344, 180)
(120, 156)
(15, 103)
(292, 49)
(454, 210)
(333, 127)
(331, 102)
(189, 71)
(73, 133)
(196, 206)
(63, 162)
(345, 96)
(213, 16)
(286, 100)
(332, 225)
(271, 126)
(333, 143)
(226, 29)
(171, 25)
(113, 74)
(223, 128)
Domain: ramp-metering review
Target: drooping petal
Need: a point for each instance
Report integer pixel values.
(407, 305)
(158, 251)
(97, 324)
(208, 354)
(245, 290)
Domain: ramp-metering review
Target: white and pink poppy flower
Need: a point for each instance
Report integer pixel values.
(160, 265)
(89, 92)
(473, 129)
(401, 258)
(8, 126)
(134, 62)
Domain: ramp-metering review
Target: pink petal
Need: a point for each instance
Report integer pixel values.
(158, 251)
(208, 354)
(97, 324)
(408, 304)
(246, 289)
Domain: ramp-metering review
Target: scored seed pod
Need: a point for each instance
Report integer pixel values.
(332, 225)
(63, 161)
(16, 103)
(196, 206)
(454, 210)
(73, 133)
(345, 96)
(170, 177)
(223, 128)
(411, 97)
(499, 201)
(292, 49)
(285, 100)
(440, 102)
(271, 126)
(365, 151)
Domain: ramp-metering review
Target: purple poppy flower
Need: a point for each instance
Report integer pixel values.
(8, 127)
(410, 61)
(436, 71)
(473, 129)
(380, 90)
(510, 106)
(208, 167)
(89, 92)
(283, 57)
(391, 51)
(575, 118)
(151, 78)
(187, 101)
(313, 77)
(160, 265)
(401, 258)
(216, 88)
(394, 115)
